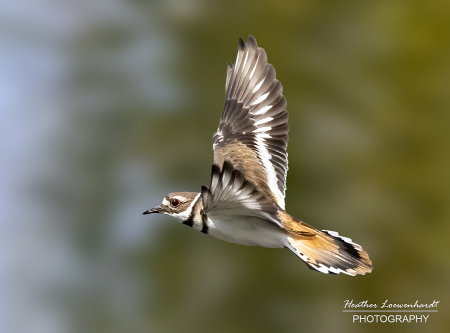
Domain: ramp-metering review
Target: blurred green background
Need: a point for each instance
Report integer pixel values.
(107, 106)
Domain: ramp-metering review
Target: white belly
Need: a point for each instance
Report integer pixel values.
(246, 230)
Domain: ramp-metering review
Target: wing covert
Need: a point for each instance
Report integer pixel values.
(231, 194)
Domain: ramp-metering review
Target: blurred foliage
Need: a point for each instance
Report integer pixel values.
(138, 96)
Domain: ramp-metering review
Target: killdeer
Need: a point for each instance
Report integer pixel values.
(244, 203)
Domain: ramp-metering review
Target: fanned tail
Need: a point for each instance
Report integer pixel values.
(327, 252)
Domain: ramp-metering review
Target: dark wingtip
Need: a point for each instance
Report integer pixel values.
(227, 166)
(251, 40)
(241, 43)
(215, 169)
(146, 212)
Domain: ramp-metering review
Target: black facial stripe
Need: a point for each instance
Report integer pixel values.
(190, 221)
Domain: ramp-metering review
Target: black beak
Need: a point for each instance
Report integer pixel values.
(157, 209)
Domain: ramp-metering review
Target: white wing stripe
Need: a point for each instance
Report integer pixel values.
(260, 99)
(262, 129)
(245, 61)
(236, 66)
(263, 110)
(258, 86)
(254, 68)
(270, 170)
(262, 121)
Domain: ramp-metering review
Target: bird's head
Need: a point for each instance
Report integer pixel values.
(178, 205)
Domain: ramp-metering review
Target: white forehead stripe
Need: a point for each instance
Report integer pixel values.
(179, 197)
(183, 199)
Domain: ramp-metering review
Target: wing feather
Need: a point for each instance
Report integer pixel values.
(253, 130)
(233, 194)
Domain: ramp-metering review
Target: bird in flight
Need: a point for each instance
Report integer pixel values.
(244, 203)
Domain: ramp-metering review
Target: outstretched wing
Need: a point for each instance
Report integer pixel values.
(253, 130)
(231, 194)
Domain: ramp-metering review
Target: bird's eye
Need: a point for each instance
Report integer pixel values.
(175, 202)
